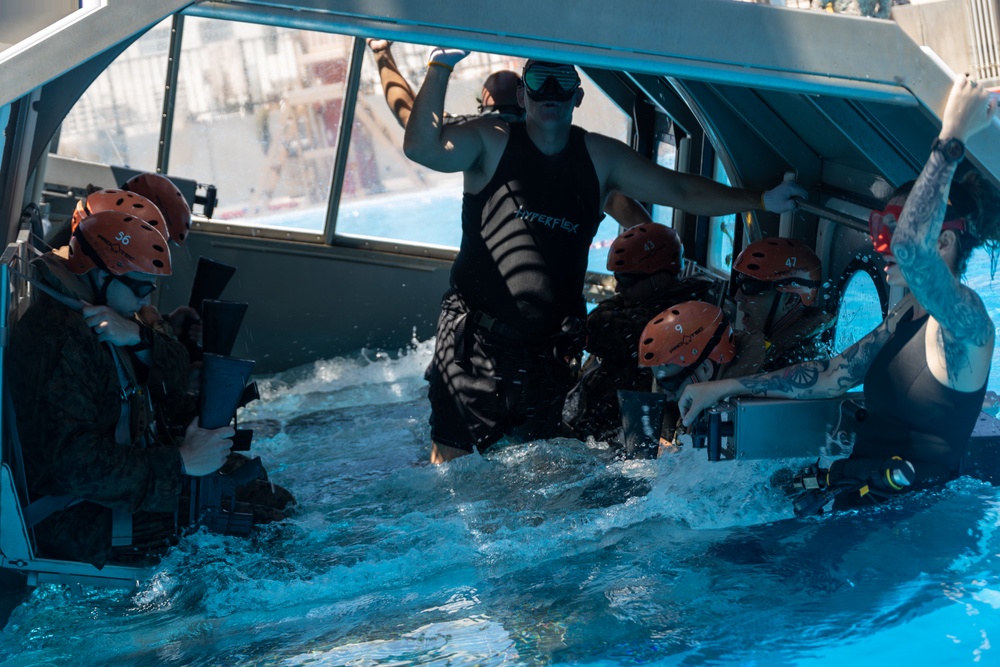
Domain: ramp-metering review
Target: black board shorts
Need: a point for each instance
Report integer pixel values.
(484, 387)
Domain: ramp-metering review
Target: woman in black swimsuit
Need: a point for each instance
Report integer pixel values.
(925, 367)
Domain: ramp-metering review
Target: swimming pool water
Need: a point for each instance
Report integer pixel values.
(550, 553)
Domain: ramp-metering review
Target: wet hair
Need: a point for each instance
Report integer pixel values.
(973, 198)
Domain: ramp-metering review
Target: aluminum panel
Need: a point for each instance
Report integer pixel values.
(767, 428)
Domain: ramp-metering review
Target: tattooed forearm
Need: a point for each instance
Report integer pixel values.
(857, 359)
(822, 378)
(795, 380)
(957, 308)
(920, 223)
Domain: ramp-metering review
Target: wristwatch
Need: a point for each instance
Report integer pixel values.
(953, 150)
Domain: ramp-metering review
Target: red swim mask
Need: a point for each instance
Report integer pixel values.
(882, 224)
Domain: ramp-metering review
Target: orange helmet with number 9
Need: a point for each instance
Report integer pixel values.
(686, 335)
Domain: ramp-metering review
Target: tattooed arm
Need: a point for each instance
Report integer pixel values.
(917, 246)
(824, 378)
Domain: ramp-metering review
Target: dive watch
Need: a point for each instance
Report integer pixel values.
(953, 150)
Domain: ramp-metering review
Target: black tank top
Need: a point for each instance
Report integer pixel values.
(526, 236)
(911, 414)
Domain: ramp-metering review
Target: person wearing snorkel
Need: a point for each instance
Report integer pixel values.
(534, 196)
(926, 366)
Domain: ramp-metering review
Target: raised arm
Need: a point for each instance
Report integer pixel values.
(428, 141)
(398, 94)
(824, 378)
(626, 211)
(635, 176)
(915, 243)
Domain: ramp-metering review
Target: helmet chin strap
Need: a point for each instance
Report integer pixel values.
(790, 316)
(770, 315)
(100, 289)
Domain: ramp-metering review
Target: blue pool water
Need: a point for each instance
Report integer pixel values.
(544, 554)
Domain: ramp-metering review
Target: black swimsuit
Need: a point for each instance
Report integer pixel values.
(911, 414)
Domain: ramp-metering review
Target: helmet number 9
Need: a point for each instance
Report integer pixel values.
(123, 238)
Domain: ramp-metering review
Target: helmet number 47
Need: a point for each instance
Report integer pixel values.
(790, 262)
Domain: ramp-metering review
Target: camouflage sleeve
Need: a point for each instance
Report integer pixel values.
(613, 330)
(169, 380)
(68, 426)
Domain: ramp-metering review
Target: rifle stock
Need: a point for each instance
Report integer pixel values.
(642, 418)
(224, 389)
(223, 383)
(210, 278)
(220, 322)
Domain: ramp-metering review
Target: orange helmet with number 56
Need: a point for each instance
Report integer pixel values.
(117, 243)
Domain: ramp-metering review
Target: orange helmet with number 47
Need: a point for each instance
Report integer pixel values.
(782, 264)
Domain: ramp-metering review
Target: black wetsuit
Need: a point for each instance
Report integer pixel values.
(911, 414)
(517, 284)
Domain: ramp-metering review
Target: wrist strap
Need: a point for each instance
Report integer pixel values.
(444, 65)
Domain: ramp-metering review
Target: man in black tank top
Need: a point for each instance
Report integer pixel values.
(534, 195)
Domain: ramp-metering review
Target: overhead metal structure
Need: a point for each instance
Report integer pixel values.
(856, 95)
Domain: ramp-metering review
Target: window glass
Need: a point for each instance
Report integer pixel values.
(387, 196)
(4, 119)
(262, 128)
(860, 311)
(666, 156)
(117, 120)
(720, 232)
(981, 276)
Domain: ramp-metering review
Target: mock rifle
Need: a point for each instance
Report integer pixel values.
(210, 279)
(642, 417)
(220, 324)
(224, 389)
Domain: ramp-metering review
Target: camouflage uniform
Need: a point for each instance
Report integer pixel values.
(613, 330)
(798, 340)
(66, 393)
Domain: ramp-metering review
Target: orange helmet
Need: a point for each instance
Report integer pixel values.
(162, 192)
(646, 249)
(124, 202)
(788, 263)
(686, 335)
(118, 243)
